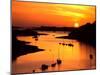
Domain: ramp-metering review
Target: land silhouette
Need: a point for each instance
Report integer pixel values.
(53, 28)
(20, 47)
(85, 33)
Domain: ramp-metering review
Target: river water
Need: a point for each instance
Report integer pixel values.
(73, 58)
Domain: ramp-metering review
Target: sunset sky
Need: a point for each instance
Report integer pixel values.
(28, 14)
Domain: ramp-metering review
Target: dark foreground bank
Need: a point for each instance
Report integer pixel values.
(20, 47)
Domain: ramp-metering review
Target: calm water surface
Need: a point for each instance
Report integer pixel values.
(73, 58)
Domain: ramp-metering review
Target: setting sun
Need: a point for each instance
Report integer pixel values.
(76, 25)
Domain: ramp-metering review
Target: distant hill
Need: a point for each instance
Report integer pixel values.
(53, 28)
(45, 28)
(85, 33)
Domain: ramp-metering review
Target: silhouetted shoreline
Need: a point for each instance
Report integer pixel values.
(26, 32)
(85, 33)
(46, 28)
(20, 47)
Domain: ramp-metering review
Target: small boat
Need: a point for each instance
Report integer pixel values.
(66, 44)
(53, 65)
(71, 45)
(44, 67)
(36, 39)
(63, 44)
(59, 43)
(59, 61)
(33, 71)
(91, 56)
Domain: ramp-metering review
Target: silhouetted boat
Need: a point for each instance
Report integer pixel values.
(91, 56)
(44, 67)
(59, 61)
(59, 43)
(36, 39)
(53, 65)
(33, 71)
(63, 44)
(66, 44)
(71, 45)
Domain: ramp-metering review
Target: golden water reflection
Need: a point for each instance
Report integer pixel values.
(73, 58)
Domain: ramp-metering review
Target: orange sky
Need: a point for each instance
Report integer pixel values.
(43, 14)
